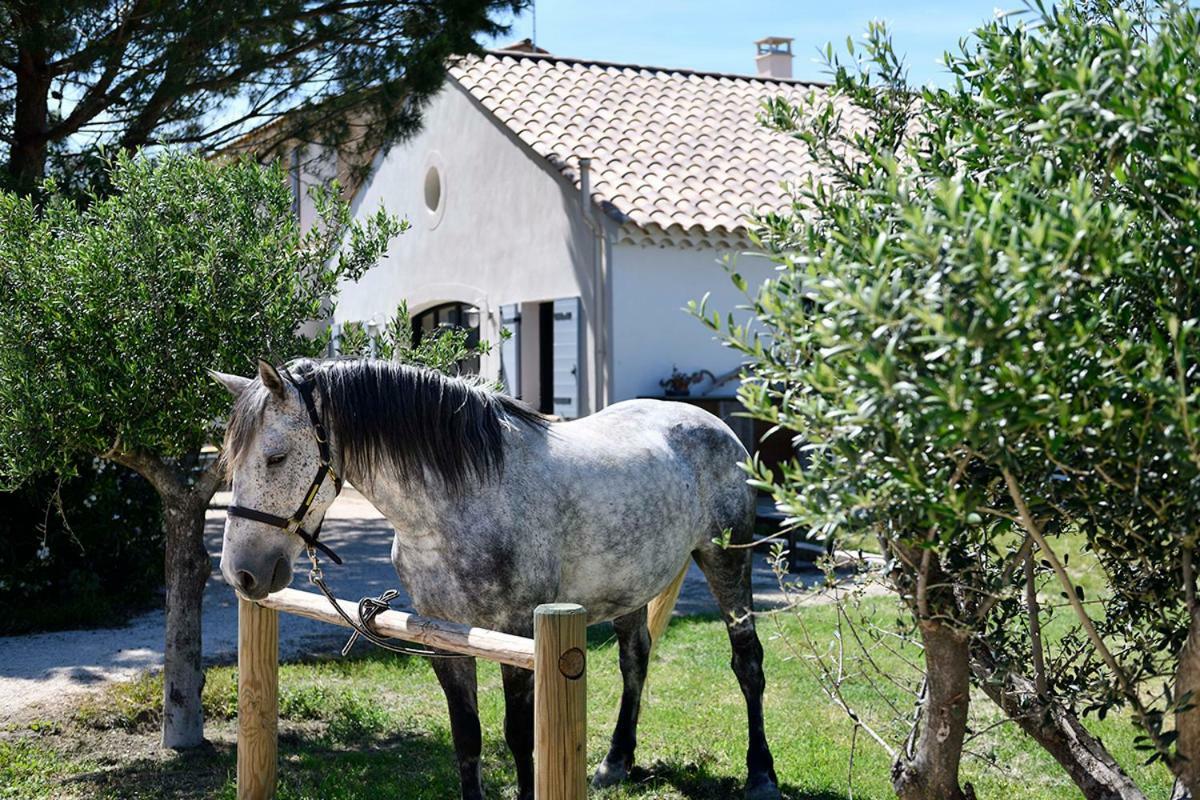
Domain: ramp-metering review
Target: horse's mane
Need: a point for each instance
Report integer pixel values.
(410, 421)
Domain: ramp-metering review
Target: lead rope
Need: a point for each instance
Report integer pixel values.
(368, 609)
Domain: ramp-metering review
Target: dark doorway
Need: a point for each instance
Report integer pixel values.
(546, 357)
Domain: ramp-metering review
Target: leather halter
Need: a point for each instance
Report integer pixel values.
(293, 524)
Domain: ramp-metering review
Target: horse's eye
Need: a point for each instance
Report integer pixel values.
(276, 459)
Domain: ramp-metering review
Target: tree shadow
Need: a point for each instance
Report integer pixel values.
(410, 764)
(196, 773)
(695, 782)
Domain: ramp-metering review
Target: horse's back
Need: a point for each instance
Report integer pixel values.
(679, 433)
(689, 430)
(602, 511)
(640, 485)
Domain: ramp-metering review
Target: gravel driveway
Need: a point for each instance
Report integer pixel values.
(41, 672)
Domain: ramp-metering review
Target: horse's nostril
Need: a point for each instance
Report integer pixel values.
(245, 580)
(282, 575)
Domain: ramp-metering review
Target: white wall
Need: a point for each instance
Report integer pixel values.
(508, 230)
(652, 331)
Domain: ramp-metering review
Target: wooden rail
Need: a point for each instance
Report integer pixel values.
(557, 655)
(516, 651)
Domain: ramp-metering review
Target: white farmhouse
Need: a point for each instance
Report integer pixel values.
(581, 205)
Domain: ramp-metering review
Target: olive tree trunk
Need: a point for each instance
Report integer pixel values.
(930, 770)
(1187, 721)
(185, 496)
(1056, 729)
(187, 570)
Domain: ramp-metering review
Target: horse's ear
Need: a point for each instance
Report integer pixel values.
(234, 384)
(270, 378)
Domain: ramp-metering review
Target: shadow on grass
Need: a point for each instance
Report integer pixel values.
(405, 764)
(332, 745)
(188, 774)
(695, 782)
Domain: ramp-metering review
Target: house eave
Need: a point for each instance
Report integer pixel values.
(676, 236)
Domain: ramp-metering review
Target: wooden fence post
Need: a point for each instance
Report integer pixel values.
(258, 701)
(560, 702)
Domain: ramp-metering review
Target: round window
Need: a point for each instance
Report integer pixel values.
(433, 190)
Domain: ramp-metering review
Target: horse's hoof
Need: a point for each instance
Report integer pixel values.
(763, 789)
(609, 774)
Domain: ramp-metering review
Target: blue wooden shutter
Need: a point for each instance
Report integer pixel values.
(510, 349)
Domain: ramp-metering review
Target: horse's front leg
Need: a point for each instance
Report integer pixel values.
(458, 680)
(518, 725)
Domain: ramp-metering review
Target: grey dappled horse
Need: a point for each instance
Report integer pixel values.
(498, 509)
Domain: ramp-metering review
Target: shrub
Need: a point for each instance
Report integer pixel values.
(110, 316)
(83, 552)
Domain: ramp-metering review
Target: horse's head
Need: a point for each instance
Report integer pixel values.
(272, 452)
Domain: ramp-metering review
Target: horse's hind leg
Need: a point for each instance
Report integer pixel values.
(728, 574)
(518, 724)
(457, 677)
(633, 642)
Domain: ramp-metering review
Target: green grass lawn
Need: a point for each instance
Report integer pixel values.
(375, 726)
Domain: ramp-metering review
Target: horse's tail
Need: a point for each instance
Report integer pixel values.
(659, 610)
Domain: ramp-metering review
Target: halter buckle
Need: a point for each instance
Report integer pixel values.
(314, 573)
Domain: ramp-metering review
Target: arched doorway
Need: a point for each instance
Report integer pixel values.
(457, 316)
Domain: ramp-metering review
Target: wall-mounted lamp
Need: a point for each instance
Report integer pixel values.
(373, 338)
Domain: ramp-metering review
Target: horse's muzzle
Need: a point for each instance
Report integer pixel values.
(253, 586)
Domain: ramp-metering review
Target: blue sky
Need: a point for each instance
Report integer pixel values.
(719, 36)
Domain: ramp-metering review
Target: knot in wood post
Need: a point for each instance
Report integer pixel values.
(560, 702)
(572, 664)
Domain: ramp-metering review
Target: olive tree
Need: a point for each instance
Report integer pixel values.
(983, 331)
(110, 317)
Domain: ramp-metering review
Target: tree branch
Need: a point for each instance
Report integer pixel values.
(164, 479)
(97, 98)
(1022, 554)
(1089, 627)
(1035, 629)
(210, 481)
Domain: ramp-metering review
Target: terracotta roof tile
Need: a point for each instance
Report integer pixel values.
(679, 153)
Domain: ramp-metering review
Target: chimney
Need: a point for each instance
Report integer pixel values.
(525, 46)
(774, 59)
